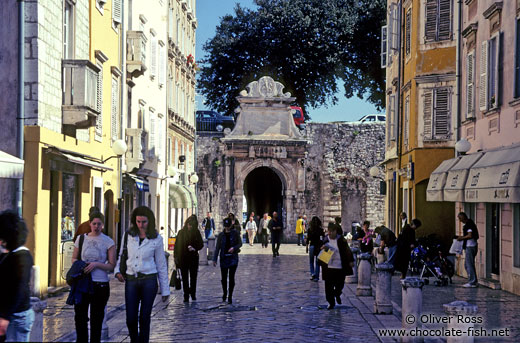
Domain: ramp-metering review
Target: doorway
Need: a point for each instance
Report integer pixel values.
(263, 191)
(493, 229)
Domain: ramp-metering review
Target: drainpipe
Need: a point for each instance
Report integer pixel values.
(122, 86)
(21, 98)
(399, 139)
(458, 70)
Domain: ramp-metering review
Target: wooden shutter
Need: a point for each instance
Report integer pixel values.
(99, 105)
(395, 29)
(384, 44)
(117, 11)
(153, 58)
(428, 111)
(517, 60)
(441, 117)
(151, 140)
(160, 134)
(408, 28)
(430, 30)
(498, 69)
(445, 18)
(162, 65)
(470, 85)
(392, 117)
(483, 81)
(113, 108)
(406, 120)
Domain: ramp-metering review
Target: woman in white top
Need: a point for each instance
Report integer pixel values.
(251, 230)
(99, 252)
(145, 263)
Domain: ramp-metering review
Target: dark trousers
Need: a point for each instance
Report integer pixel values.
(224, 273)
(264, 238)
(97, 303)
(334, 282)
(139, 292)
(189, 284)
(300, 238)
(276, 238)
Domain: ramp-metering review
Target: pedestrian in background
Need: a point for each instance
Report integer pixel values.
(388, 240)
(470, 245)
(276, 228)
(339, 266)
(209, 225)
(84, 227)
(367, 241)
(186, 254)
(404, 219)
(263, 230)
(145, 264)
(315, 235)
(227, 248)
(299, 230)
(337, 220)
(251, 230)
(99, 252)
(405, 245)
(16, 315)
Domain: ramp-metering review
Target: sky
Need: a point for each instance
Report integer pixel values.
(208, 14)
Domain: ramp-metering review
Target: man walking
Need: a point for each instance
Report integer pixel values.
(276, 227)
(299, 229)
(209, 225)
(263, 230)
(469, 237)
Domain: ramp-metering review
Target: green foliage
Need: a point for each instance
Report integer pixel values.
(307, 45)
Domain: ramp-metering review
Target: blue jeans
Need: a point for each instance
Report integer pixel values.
(469, 264)
(313, 263)
(208, 233)
(19, 328)
(391, 255)
(300, 238)
(143, 292)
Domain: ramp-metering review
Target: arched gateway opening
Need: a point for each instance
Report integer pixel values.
(263, 191)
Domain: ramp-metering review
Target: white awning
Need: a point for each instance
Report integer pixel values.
(495, 177)
(434, 192)
(457, 175)
(11, 167)
(85, 162)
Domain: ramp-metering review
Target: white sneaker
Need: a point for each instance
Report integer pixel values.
(469, 285)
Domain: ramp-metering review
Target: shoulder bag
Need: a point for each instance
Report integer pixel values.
(124, 256)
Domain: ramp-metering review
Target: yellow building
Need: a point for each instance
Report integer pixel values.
(419, 54)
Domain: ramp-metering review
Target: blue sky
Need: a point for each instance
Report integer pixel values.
(209, 13)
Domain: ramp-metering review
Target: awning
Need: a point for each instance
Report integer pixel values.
(434, 192)
(182, 197)
(457, 175)
(192, 195)
(85, 162)
(141, 184)
(62, 159)
(495, 177)
(11, 167)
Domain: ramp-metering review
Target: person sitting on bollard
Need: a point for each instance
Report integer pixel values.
(367, 241)
(339, 266)
(16, 314)
(388, 240)
(99, 252)
(405, 244)
(315, 236)
(186, 255)
(228, 247)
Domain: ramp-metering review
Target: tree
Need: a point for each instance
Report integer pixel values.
(308, 45)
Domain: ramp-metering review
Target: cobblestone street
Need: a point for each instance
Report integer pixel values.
(274, 300)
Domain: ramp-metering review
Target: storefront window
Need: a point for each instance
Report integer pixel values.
(69, 206)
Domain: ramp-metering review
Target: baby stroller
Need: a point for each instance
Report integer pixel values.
(438, 267)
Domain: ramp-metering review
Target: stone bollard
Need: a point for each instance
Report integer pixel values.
(412, 306)
(203, 253)
(211, 247)
(364, 287)
(37, 329)
(383, 302)
(466, 311)
(354, 277)
(35, 281)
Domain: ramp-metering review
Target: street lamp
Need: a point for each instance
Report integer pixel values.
(194, 178)
(374, 171)
(119, 148)
(463, 146)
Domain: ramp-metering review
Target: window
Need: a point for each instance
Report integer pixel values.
(384, 44)
(489, 74)
(516, 235)
(160, 137)
(152, 139)
(392, 125)
(408, 32)
(437, 113)
(406, 120)
(438, 25)
(517, 60)
(114, 108)
(68, 30)
(470, 85)
(153, 57)
(392, 31)
(98, 132)
(162, 65)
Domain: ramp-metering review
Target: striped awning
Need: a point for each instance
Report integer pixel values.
(11, 167)
(179, 197)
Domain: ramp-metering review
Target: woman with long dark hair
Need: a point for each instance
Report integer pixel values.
(315, 236)
(145, 263)
(186, 253)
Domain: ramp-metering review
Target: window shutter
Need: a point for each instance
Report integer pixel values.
(160, 134)
(444, 29)
(406, 120)
(430, 30)
(99, 105)
(442, 113)
(151, 141)
(395, 29)
(483, 82)
(384, 43)
(392, 117)
(153, 58)
(470, 85)
(114, 107)
(498, 69)
(408, 28)
(517, 60)
(162, 66)
(428, 110)
(116, 11)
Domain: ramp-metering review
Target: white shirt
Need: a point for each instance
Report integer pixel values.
(335, 260)
(471, 242)
(147, 258)
(95, 249)
(251, 225)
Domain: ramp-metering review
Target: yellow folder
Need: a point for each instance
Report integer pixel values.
(325, 256)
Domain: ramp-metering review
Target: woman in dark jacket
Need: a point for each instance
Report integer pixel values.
(227, 247)
(315, 240)
(188, 243)
(405, 244)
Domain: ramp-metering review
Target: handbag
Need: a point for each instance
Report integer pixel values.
(175, 280)
(124, 256)
(325, 256)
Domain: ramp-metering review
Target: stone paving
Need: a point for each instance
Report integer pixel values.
(274, 300)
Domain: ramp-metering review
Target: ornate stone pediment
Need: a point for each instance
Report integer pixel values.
(266, 87)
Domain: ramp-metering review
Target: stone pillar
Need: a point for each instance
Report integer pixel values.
(383, 303)
(37, 329)
(35, 281)
(364, 287)
(412, 306)
(466, 311)
(354, 277)
(211, 247)
(203, 253)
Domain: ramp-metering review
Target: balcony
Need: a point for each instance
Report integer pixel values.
(136, 142)
(81, 105)
(135, 53)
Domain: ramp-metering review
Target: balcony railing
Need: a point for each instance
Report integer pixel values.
(81, 105)
(135, 53)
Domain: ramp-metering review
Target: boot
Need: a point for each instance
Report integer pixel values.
(224, 290)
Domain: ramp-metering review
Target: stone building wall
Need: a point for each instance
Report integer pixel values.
(337, 181)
